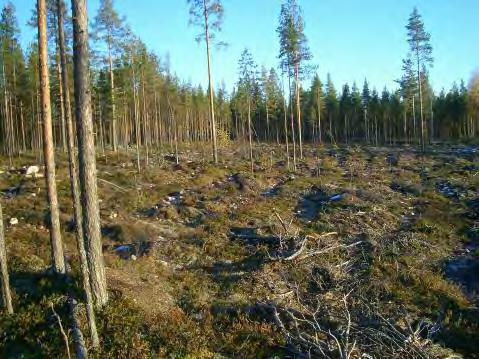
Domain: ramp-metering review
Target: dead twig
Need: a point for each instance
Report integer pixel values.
(329, 249)
(114, 185)
(65, 337)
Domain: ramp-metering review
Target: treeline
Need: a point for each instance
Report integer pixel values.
(357, 114)
(139, 102)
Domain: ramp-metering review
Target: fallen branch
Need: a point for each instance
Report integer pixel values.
(114, 185)
(286, 230)
(329, 249)
(302, 248)
(65, 337)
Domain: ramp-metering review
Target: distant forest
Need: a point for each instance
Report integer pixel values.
(138, 100)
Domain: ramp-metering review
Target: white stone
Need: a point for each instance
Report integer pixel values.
(32, 171)
(13, 221)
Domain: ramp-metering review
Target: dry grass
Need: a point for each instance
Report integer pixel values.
(201, 293)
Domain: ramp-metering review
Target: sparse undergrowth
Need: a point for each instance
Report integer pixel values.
(199, 257)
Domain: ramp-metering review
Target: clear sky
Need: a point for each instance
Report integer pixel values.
(351, 39)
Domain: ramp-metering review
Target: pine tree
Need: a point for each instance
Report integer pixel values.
(366, 99)
(474, 102)
(408, 84)
(356, 112)
(246, 86)
(294, 51)
(109, 28)
(421, 52)
(316, 105)
(208, 15)
(332, 108)
(345, 111)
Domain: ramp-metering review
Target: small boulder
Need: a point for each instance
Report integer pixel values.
(32, 171)
(13, 221)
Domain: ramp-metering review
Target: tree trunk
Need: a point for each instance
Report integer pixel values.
(414, 124)
(293, 134)
(250, 136)
(298, 110)
(6, 296)
(49, 158)
(320, 133)
(77, 209)
(136, 119)
(210, 83)
(286, 139)
(62, 108)
(112, 97)
(421, 103)
(86, 147)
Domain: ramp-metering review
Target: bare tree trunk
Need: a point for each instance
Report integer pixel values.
(22, 124)
(320, 133)
(420, 102)
(414, 117)
(250, 137)
(77, 209)
(6, 296)
(49, 158)
(298, 110)
(137, 121)
(286, 130)
(293, 134)
(267, 120)
(62, 108)
(112, 94)
(87, 161)
(210, 83)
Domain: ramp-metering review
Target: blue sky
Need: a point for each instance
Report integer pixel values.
(351, 39)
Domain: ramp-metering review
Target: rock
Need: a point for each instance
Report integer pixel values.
(32, 171)
(113, 215)
(336, 198)
(133, 257)
(13, 221)
(392, 160)
(12, 192)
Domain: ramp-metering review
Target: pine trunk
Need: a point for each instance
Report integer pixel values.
(73, 166)
(210, 83)
(112, 97)
(6, 296)
(87, 161)
(48, 148)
